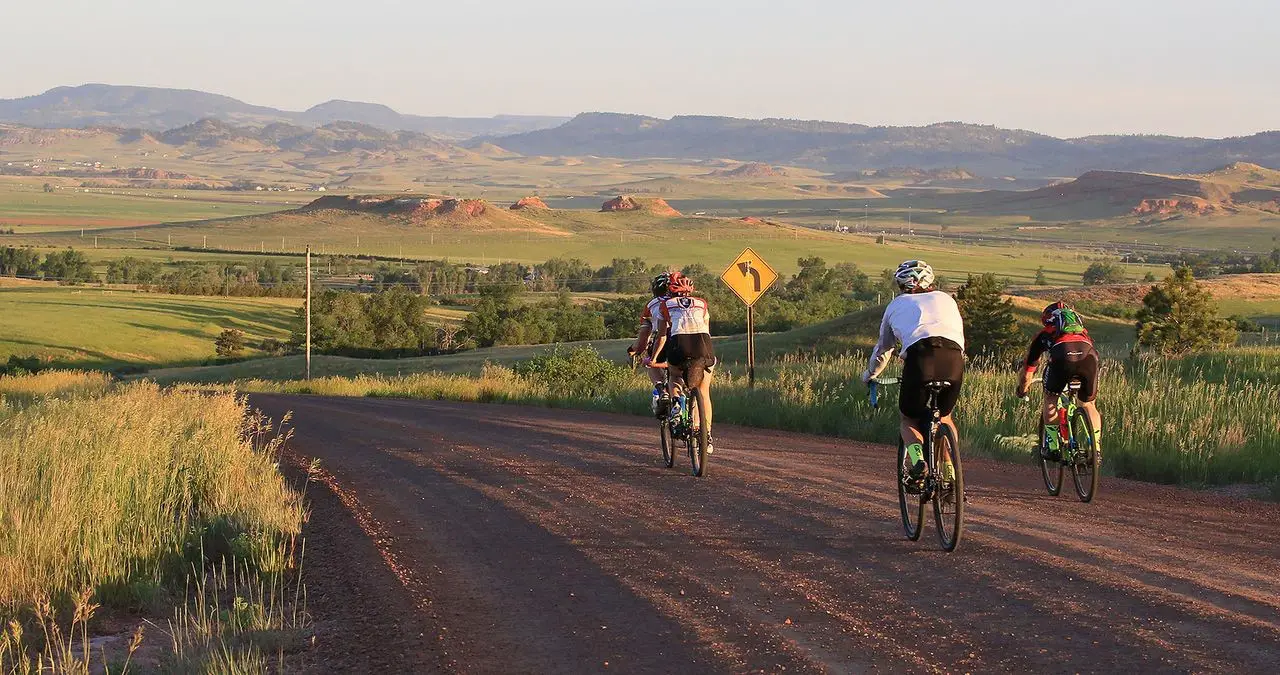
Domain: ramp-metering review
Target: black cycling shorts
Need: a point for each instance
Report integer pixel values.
(930, 360)
(1072, 361)
(691, 356)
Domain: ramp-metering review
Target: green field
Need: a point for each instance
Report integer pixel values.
(95, 328)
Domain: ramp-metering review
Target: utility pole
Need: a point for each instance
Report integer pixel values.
(206, 242)
(308, 312)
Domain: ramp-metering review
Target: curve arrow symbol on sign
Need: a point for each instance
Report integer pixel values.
(755, 274)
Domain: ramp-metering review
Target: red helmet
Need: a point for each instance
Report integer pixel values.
(680, 284)
(1046, 317)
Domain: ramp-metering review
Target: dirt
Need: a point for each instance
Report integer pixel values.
(1163, 207)
(484, 538)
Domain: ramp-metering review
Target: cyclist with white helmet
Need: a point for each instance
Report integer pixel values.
(647, 337)
(927, 323)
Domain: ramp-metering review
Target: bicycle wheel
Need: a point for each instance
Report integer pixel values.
(1050, 470)
(668, 443)
(909, 503)
(697, 441)
(1084, 463)
(948, 496)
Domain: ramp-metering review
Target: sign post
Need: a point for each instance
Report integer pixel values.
(749, 276)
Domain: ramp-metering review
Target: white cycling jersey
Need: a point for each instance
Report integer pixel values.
(653, 314)
(688, 315)
(912, 317)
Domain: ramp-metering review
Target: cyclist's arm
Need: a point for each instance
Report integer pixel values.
(642, 337)
(1039, 345)
(883, 351)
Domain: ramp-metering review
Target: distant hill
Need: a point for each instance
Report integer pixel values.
(1108, 194)
(985, 150)
(153, 108)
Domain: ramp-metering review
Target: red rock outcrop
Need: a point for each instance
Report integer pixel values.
(1164, 207)
(529, 203)
(657, 207)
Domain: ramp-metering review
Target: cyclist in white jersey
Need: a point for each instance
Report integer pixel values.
(647, 337)
(686, 326)
(927, 323)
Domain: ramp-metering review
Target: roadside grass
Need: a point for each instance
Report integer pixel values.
(1163, 422)
(133, 498)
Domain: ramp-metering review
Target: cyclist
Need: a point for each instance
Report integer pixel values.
(927, 323)
(647, 337)
(1071, 357)
(686, 327)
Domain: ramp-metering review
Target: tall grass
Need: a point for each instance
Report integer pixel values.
(123, 493)
(1182, 421)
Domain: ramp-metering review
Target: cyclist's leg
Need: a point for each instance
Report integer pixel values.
(1087, 371)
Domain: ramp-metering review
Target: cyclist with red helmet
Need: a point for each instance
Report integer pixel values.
(684, 342)
(650, 329)
(1071, 357)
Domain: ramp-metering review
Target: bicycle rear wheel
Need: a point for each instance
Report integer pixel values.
(948, 496)
(1084, 464)
(910, 504)
(1050, 470)
(668, 443)
(697, 441)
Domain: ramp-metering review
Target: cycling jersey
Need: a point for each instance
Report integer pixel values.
(652, 314)
(687, 315)
(912, 317)
(1051, 337)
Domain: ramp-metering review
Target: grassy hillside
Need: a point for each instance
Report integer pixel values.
(93, 328)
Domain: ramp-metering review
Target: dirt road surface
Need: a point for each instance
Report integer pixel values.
(506, 539)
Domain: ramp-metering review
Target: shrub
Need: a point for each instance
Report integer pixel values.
(229, 343)
(580, 372)
(1105, 272)
(1178, 317)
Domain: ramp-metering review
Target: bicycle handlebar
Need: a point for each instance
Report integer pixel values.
(874, 385)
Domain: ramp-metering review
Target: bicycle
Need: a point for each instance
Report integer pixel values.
(666, 423)
(681, 427)
(1080, 451)
(947, 496)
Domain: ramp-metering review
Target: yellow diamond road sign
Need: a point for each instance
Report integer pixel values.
(749, 276)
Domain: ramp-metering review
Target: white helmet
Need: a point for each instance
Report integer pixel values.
(914, 275)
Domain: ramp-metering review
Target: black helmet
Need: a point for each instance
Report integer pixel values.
(661, 285)
(1047, 316)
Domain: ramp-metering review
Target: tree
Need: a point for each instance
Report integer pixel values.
(1041, 279)
(229, 343)
(1105, 272)
(1178, 316)
(1149, 278)
(48, 187)
(19, 262)
(69, 267)
(990, 329)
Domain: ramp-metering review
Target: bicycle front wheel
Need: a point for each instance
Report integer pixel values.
(697, 441)
(910, 501)
(1084, 463)
(1050, 470)
(948, 495)
(668, 443)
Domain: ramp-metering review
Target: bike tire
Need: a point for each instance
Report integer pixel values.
(668, 443)
(1085, 470)
(908, 502)
(697, 441)
(1050, 470)
(948, 501)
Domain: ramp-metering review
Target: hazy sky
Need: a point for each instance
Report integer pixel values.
(1069, 67)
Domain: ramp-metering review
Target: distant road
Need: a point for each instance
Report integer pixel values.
(504, 539)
